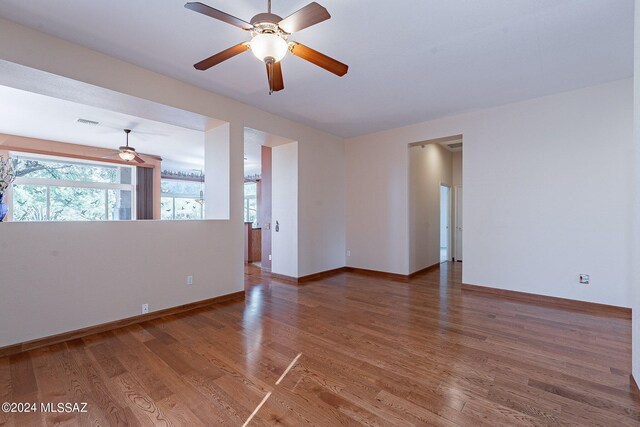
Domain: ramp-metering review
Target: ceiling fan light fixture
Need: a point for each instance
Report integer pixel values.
(127, 154)
(269, 43)
(269, 47)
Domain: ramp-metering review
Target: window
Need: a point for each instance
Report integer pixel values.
(57, 189)
(181, 199)
(251, 203)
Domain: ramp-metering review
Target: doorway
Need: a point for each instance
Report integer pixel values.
(458, 223)
(435, 170)
(271, 202)
(445, 226)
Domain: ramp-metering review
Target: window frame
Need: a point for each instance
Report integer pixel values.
(174, 196)
(247, 202)
(52, 182)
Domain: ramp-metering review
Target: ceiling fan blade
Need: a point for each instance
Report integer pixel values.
(309, 15)
(278, 81)
(319, 59)
(111, 156)
(205, 64)
(218, 14)
(274, 74)
(138, 159)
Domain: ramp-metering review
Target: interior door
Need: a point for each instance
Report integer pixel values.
(458, 225)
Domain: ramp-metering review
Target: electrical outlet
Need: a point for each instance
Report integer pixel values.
(269, 257)
(189, 280)
(348, 253)
(583, 279)
(145, 308)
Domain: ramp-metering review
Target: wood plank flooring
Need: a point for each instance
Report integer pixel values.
(374, 352)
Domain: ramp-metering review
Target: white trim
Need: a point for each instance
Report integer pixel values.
(180, 195)
(458, 231)
(449, 222)
(75, 184)
(63, 183)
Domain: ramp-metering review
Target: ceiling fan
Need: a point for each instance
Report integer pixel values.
(127, 153)
(270, 40)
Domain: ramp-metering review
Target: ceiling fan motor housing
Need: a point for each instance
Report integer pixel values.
(265, 18)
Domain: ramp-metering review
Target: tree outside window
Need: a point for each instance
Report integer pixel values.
(251, 203)
(181, 200)
(65, 190)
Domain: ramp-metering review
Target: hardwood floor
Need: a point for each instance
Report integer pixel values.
(373, 352)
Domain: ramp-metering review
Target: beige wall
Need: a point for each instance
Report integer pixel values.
(635, 232)
(284, 209)
(546, 194)
(321, 213)
(57, 277)
(456, 159)
(62, 276)
(429, 166)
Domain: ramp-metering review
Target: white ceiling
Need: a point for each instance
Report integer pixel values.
(37, 116)
(410, 61)
(253, 142)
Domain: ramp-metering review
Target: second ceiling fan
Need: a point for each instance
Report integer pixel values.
(270, 40)
(126, 152)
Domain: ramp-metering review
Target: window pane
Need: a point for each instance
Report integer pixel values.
(250, 203)
(126, 175)
(66, 200)
(179, 187)
(250, 189)
(188, 209)
(29, 203)
(166, 207)
(120, 204)
(72, 171)
(77, 204)
(186, 195)
(251, 211)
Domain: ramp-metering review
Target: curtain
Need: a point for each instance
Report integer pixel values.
(144, 193)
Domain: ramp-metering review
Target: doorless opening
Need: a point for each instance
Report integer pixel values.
(445, 217)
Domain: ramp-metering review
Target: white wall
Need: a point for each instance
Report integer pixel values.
(635, 235)
(284, 209)
(58, 277)
(377, 193)
(321, 197)
(217, 172)
(34, 61)
(547, 186)
(429, 167)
